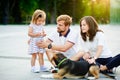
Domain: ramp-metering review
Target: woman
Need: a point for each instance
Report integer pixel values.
(95, 47)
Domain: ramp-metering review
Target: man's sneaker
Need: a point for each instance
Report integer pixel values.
(34, 70)
(44, 69)
(54, 70)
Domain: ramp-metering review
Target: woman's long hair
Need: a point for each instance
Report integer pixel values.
(93, 28)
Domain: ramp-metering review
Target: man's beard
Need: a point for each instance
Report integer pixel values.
(60, 31)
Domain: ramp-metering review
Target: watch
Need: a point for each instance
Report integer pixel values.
(50, 46)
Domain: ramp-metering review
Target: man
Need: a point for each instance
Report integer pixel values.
(64, 40)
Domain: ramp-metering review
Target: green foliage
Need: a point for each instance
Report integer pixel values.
(115, 12)
(97, 8)
(100, 9)
(27, 8)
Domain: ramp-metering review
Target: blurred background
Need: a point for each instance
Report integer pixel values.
(15, 16)
(20, 11)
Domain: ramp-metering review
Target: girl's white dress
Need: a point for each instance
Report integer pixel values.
(33, 48)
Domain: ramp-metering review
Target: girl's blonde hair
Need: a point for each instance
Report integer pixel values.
(66, 18)
(38, 14)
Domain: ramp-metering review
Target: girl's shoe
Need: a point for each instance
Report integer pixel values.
(43, 69)
(34, 70)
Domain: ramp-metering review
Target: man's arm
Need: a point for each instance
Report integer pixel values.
(63, 48)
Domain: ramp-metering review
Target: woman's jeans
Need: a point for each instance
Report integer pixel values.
(110, 62)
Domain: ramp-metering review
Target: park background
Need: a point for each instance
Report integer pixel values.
(15, 16)
(20, 11)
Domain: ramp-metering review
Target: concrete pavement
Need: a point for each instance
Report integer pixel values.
(15, 62)
(19, 69)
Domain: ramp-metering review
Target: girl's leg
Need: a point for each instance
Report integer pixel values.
(40, 59)
(41, 62)
(33, 59)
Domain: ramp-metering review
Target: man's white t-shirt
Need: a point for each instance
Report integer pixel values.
(71, 36)
(92, 46)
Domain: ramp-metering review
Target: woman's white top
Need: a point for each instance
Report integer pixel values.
(91, 46)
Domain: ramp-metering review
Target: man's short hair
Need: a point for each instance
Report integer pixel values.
(66, 18)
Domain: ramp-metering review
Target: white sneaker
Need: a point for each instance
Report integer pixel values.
(44, 69)
(34, 70)
(53, 70)
(116, 70)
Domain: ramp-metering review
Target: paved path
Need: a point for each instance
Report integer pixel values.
(14, 60)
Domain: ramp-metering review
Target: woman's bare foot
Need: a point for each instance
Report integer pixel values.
(103, 67)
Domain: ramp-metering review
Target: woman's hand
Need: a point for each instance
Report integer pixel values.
(91, 60)
(86, 56)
